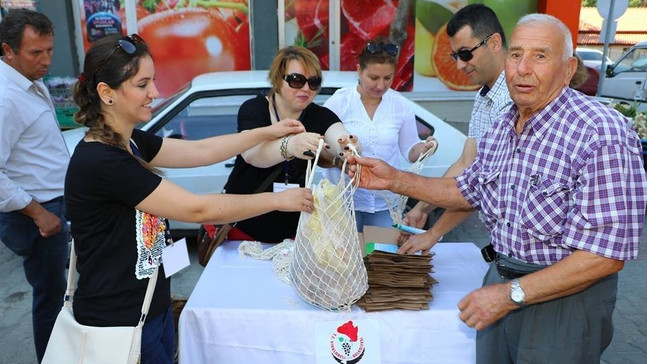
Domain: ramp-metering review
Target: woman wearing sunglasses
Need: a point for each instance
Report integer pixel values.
(382, 122)
(295, 79)
(117, 201)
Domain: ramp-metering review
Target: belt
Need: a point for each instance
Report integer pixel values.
(505, 271)
(508, 273)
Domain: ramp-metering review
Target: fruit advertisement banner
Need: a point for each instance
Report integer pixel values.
(434, 68)
(186, 38)
(308, 23)
(424, 63)
(366, 19)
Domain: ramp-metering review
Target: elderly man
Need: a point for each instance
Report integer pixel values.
(559, 179)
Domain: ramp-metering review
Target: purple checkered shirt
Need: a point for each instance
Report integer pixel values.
(572, 180)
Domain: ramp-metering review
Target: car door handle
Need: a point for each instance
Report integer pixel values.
(229, 165)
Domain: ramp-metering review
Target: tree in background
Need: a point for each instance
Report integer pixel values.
(632, 3)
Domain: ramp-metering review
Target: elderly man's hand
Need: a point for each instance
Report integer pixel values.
(374, 174)
(486, 305)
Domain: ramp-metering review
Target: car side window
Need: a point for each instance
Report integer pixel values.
(635, 61)
(205, 117)
(590, 56)
(424, 129)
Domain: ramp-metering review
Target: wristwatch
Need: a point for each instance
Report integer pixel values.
(517, 295)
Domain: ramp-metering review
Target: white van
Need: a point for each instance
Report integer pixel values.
(626, 80)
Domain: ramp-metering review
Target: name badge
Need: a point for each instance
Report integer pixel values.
(278, 186)
(175, 257)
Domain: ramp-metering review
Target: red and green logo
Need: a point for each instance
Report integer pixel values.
(345, 344)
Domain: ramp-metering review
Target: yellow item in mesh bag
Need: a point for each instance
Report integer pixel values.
(327, 269)
(324, 225)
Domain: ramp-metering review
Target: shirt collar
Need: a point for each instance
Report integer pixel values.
(486, 90)
(16, 77)
(542, 120)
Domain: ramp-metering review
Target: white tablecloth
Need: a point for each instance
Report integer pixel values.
(239, 312)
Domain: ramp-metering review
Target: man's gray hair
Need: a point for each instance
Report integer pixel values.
(549, 19)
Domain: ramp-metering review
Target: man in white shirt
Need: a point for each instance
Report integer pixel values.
(33, 162)
(478, 45)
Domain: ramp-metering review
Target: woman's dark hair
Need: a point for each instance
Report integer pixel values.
(374, 52)
(106, 61)
(13, 26)
(480, 18)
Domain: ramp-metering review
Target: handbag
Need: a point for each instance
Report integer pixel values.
(71, 342)
(211, 237)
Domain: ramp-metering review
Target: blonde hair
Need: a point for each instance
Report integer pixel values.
(281, 60)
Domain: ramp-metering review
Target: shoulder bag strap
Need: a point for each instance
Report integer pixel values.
(69, 293)
(71, 274)
(149, 295)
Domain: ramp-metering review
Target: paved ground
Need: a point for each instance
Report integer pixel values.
(629, 345)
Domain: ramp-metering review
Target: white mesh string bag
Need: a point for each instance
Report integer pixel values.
(327, 269)
(397, 203)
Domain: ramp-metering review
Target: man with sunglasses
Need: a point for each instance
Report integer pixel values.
(33, 161)
(478, 44)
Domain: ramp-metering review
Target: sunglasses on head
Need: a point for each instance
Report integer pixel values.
(376, 48)
(466, 54)
(127, 44)
(297, 80)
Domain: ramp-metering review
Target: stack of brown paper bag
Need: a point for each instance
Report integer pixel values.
(397, 281)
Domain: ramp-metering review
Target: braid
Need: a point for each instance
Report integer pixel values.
(90, 115)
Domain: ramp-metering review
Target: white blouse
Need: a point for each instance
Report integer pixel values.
(392, 132)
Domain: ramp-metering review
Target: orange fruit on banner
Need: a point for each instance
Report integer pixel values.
(445, 66)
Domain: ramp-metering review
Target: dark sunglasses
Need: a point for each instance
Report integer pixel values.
(297, 80)
(466, 54)
(127, 44)
(376, 48)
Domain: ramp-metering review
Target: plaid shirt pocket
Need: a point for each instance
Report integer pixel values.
(545, 208)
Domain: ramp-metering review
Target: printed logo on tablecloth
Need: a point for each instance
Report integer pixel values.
(345, 345)
(350, 342)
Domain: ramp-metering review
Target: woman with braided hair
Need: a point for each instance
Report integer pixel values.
(118, 202)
